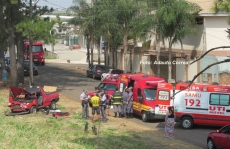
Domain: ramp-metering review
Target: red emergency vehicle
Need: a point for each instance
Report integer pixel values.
(205, 104)
(38, 52)
(144, 92)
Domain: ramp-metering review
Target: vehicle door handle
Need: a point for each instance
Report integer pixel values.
(157, 105)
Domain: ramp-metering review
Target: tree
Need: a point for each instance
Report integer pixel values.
(176, 20)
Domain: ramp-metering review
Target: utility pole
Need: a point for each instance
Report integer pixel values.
(31, 82)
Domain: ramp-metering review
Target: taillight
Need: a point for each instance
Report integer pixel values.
(98, 71)
(41, 56)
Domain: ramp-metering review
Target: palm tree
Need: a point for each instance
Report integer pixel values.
(175, 18)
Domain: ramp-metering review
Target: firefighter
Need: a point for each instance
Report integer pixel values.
(95, 100)
(116, 100)
(130, 103)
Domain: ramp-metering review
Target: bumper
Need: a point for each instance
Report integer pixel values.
(150, 116)
(39, 60)
(98, 75)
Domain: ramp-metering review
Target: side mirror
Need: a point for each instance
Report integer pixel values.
(45, 49)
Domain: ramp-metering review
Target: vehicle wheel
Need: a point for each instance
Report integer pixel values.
(187, 123)
(87, 75)
(94, 77)
(210, 144)
(53, 105)
(33, 110)
(144, 116)
(43, 63)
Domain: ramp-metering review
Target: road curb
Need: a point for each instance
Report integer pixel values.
(81, 68)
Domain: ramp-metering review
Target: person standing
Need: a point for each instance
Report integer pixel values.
(108, 103)
(116, 100)
(130, 103)
(125, 102)
(169, 123)
(4, 76)
(95, 100)
(84, 102)
(103, 107)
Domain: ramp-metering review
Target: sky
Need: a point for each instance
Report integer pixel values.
(55, 3)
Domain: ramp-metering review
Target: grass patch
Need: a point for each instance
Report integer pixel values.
(40, 131)
(50, 57)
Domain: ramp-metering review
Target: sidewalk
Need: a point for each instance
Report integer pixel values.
(65, 55)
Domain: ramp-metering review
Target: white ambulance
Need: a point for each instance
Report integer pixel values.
(205, 104)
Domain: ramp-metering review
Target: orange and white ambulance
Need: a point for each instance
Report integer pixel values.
(205, 104)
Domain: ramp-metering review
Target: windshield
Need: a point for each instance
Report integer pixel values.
(150, 93)
(103, 86)
(36, 48)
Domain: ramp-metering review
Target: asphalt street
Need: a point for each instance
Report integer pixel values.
(70, 81)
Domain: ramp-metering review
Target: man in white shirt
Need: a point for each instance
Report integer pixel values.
(84, 102)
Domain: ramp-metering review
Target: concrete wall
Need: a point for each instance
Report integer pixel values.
(215, 32)
(136, 62)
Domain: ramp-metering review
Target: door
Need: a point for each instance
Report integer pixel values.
(163, 98)
(223, 137)
(122, 87)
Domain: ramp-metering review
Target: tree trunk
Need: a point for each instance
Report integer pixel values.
(13, 66)
(105, 57)
(88, 53)
(131, 60)
(31, 83)
(116, 58)
(2, 57)
(20, 54)
(109, 53)
(158, 53)
(98, 53)
(91, 46)
(170, 62)
(124, 58)
(141, 55)
(113, 59)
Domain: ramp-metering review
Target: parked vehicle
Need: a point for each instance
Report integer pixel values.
(96, 71)
(205, 104)
(29, 100)
(37, 51)
(219, 138)
(111, 72)
(27, 68)
(144, 91)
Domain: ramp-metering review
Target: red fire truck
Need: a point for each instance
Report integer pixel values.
(205, 104)
(38, 52)
(144, 91)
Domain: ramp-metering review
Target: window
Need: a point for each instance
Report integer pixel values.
(103, 86)
(163, 95)
(37, 49)
(150, 93)
(122, 87)
(219, 99)
(226, 130)
(139, 94)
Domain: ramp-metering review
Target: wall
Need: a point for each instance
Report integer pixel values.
(215, 32)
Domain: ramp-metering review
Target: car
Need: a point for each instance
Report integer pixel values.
(27, 68)
(29, 100)
(95, 71)
(219, 138)
(111, 71)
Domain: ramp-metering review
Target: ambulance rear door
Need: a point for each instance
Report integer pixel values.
(163, 97)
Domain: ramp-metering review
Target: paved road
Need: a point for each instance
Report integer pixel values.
(71, 81)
